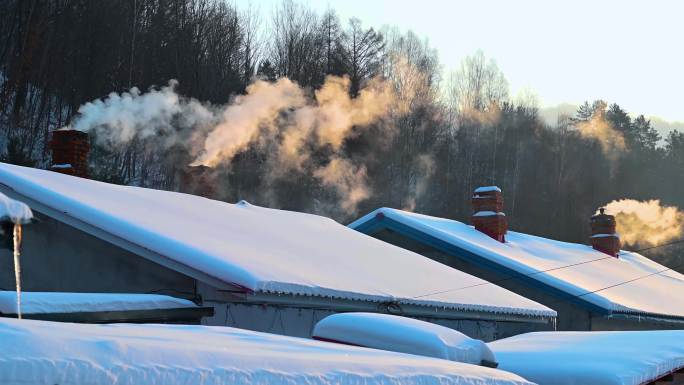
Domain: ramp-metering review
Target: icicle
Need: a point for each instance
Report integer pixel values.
(17, 267)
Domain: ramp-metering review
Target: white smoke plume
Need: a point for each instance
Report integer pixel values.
(349, 180)
(243, 119)
(598, 127)
(281, 113)
(278, 115)
(646, 223)
(425, 168)
(329, 118)
(120, 118)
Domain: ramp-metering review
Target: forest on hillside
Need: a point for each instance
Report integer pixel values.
(431, 140)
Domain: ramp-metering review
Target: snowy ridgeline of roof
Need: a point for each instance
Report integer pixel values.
(404, 335)
(598, 358)
(14, 211)
(651, 292)
(39, 352)
(57, 302)
(262, 249)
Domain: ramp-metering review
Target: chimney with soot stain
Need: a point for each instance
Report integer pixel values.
(70, 152)
(198, 180)
(488, 216)
(603, 235)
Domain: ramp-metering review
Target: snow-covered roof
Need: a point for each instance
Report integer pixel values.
(39, 352)
(261, 249)
(56, 302)
(404, 335)
(631, 283)
(598, 358)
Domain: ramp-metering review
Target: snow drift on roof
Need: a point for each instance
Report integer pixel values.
(56, 302)
(598, 358)
(654, 291)
(39, 352)
(404, 335)
(262, 249)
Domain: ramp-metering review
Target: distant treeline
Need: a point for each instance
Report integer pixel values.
(458, 133)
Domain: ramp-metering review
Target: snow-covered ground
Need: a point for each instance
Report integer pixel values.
(39, 352)
(630, 283)
(405, 335)
(597, 358)
(264, 250)
(55, 302)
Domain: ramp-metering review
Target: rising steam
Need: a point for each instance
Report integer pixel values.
(599, 128)
(646, 223)
(280, 115)
(120, 118)
(242, 120)
(348, 179)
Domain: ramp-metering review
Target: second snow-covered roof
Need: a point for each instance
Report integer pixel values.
(599, 358)
(631, 283)
(261, 249)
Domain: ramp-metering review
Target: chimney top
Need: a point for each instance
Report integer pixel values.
(604, 238)
(198, 180)
(488, 216)
(70, 152)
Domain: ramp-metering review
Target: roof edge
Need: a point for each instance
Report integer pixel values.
(388, 307)
(646, 316)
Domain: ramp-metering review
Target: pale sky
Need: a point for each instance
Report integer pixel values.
(629, 52)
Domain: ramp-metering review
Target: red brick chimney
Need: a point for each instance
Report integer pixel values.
(70, 152)
(198, 180)
(603, 235)
(488, 216)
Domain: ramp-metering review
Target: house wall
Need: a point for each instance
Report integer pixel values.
(58, 257)
(299, 321)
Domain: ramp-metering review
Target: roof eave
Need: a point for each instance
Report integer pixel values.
(172, 315)
(393, 307)
(647, 317)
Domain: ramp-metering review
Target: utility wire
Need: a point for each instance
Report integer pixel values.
(631, 280)
(521, 275)
(658, 246)
(617, 284)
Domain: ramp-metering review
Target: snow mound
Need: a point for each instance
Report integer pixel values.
(14, 211)
(631, 283)
(404, 335)
(57, 302)
(261, 249)
(39, 352)
(597, 358)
